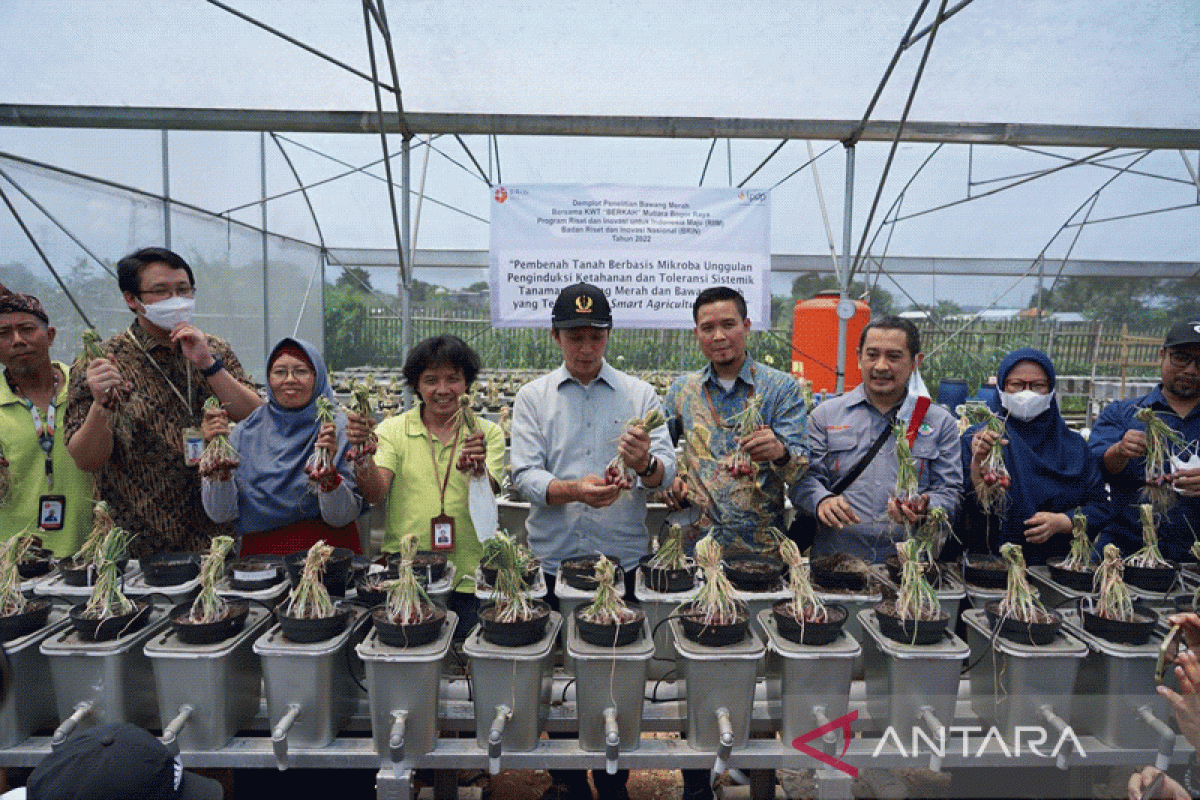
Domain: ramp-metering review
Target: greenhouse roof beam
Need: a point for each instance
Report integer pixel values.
(421, 123)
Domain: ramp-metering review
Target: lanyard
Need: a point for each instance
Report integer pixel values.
(45, 433)
(445, 482)
(186, 401)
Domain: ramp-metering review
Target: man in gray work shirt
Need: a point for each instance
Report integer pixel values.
(566, 427)
(863, 520)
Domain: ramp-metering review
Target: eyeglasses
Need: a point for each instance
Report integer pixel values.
(1181, 358)
(1012, 387)
(159, 292)
(299, 373)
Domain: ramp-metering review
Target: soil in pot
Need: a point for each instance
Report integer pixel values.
(255, 573)
(1132, 632)
(580, 572)
(35, 615)
(985, 571)
(809, 632)
(1037, 632)
(337, 570)
(606, 635)
(711, 634)
(37, 562)
(209, 632)
(933, 571)
(103, 630)
(370, 590)
(1079, 580)
(839, 571)
(753, 572)
(1152, 579)
(908, 631)
(514, 634)
(306, 630)
(666, 581)
(412, 635)
(170, 569)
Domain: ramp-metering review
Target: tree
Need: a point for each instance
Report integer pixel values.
(478, 286)
(357, 278)
(1130, 300)
(808, 284)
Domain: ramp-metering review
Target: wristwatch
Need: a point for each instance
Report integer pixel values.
(213, 368)
(650, 467)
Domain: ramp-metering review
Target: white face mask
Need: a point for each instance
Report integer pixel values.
(1026, 404)
(170, 312)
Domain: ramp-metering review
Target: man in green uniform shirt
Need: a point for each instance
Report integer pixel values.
(45, 488)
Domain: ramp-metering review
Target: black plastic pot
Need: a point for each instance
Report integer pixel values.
(1183, 602)
(600, 635)
(753, 572)
(666, 581)
(711, 635)
(428, 565)
(370, 596)
(35, 615)
(37, 562)
(529, 575)
(1034, 633)
(1152, 579)
(1134, 632)
(1071, 578)
(806, 632)
(579, 572)
(826, 575)
(208, 632)
(255, 573)
(514, 634)
(337, 570)
(908, 631)
(169, 569)
(986, 572)
(394, 635)
(82, 574)
(103, 630)
(303, 630)
(933, 570)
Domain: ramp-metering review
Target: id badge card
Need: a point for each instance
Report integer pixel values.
(441, 532)
(51, 511)
(193, 446)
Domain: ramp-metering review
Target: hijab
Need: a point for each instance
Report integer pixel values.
(274, 443)
(1049, 464)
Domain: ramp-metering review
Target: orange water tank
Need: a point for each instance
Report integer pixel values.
(814, 341)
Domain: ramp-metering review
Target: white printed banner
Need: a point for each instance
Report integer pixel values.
(651, 249)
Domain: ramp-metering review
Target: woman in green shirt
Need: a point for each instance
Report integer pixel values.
(424, 462)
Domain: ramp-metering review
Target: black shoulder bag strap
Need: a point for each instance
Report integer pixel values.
(851, 476)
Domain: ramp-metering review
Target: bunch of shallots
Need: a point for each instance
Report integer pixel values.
(322, 475)
(618, 472)
(219, 459)
(361, 393)
(1160, 438)
(744, 423)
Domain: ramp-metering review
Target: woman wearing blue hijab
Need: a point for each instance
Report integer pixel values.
(269, 495)
(1051, 470)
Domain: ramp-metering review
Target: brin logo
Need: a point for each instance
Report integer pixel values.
(583, 304)
(501, 194)
(843, 722)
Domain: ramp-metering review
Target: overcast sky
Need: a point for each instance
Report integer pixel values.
(1077, 62)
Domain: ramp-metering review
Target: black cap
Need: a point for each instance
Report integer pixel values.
(1183, 333)
(117, 761)
(581, 305)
